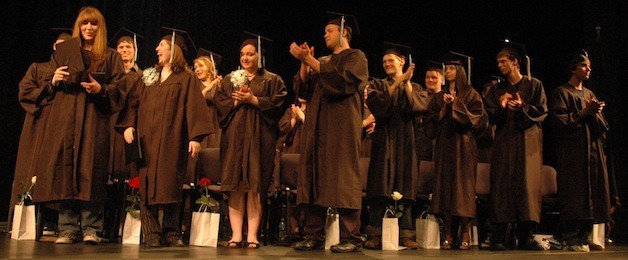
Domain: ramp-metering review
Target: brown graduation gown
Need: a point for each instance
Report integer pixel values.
(34, 100)
(249, 133)
(74, 157)
(394, 161)
(455, 152)
(517, 154)
(169, 115)
(329, 173)
(583, 191)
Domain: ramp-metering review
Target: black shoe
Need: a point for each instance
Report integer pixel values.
(531, 244)
(594, 246)
(345, 247)
(308, 244)
(497, 247)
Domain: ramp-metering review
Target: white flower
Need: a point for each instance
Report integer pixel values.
(238, 78)
(396, 195)
(150, 76)
(34, 180)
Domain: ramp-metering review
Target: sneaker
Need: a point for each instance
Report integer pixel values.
(577, 248)
(68, 238)
(91, 239)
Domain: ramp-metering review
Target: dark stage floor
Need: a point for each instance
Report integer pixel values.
(31, 249)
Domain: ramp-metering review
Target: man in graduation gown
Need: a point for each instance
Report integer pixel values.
(517, 107)
(329, 174)
(583, 189)
(395, 101)
(35, 101)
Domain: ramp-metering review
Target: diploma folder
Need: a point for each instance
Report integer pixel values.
(69, 54)
(133, 151)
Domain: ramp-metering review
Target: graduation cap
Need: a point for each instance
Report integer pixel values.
(346, 22)
(517, 50)
(215, 58)
(60, 34)
(581, 56)
(123, 35)
(262, 46)
(399, 50)
(182, 39)
(436, 66)
(455, 58)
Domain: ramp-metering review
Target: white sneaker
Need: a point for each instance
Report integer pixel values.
(68, 238)
(91, 239)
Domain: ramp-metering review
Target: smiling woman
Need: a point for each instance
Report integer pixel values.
(74, 93)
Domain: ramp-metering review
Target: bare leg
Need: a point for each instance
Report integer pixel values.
(465, 224)
(254, 216)
(236, 214)
(449, 231)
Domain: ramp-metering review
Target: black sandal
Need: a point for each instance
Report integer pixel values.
(254, 245)
(234, 244)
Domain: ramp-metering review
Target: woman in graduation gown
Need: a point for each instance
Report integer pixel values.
(454, 114)
(167, 109)
(205, 71)
(72, 162)
(248, 115)
(583, 190)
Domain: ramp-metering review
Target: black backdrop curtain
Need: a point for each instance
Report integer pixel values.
(551, 31)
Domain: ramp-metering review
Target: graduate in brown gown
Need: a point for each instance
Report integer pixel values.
(205, 70)
(72, 162)
(395, 102)
(125, 44)
(517, 107)
(36, 102)
(368, 128)
(329, 174)
(248, 116)
(291, 128)
(168, 111)
(454, 114)
(583, 190)
(434, 81)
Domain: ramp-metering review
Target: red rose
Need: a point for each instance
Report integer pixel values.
(135, 183)
(204, 182)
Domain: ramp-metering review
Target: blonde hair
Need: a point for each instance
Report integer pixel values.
(90, 13)
(208, 63)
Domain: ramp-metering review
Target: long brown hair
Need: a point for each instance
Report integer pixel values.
(90, 13)
(461, 78)
(178, 63)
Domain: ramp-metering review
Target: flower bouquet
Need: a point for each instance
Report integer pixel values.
(240, 80)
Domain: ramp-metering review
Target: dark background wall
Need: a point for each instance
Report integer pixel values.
(551, 31)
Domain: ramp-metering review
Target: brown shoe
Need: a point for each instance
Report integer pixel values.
(373, 243)
(409, 243)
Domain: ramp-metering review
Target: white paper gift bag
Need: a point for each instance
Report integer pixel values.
(204, 229)
(132, 231)
(598, 234)
(332, 229)
(23, 223)
(427, 231)
(390, 234)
